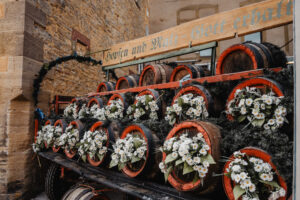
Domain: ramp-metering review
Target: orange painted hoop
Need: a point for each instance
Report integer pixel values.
(255, 152)
(114, 97)
(128, 130)
(255, 82)
(179, 68)
(93, 100)
(148, 67)
(179, 184)
(219, 69)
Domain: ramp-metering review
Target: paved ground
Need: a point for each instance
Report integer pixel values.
(41, 196)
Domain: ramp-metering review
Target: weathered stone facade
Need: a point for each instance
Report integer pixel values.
(33, 32)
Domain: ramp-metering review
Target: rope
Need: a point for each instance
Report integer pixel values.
(286, 43)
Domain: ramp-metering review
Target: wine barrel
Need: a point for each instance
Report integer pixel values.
(155, 74)
(145, 168)
(78, 125)
(95, 100)
(199, 91)
(183, 70)
(156, 97)
(127, 82)
(83, 192)
(120, 96)
(252, 152)
(106, 86)
(212, 136)
(110, 139)
(261, 83)
(248, 56)
(48, 122)
(63, 124)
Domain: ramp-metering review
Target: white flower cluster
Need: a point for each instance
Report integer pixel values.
(187, 107)
(71, 111)
(114, 110)
(97, 113)
(131, 149)
(247, 172)
(93, 144)
(69, 138)
(83, 112)
(261, 110)
(48, 134)
(192, 153)
(145, 107)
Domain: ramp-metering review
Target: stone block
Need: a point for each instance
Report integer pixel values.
(3, 63)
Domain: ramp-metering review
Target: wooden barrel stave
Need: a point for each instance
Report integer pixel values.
(155, 74)
(106, 86)
(95, 100)
(127, 82)
(182, 70)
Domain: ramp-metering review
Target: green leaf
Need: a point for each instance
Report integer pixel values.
(100, 157)
(209, 159)
(121, 166)
(272, 183)
(196, 178)
(135, 159)
(169, 158)
(241, 118)
(168, 173)
(137, 143)
(258, 122)
(178, 162)
(83, 158)
(112, 164)
(238, 191)
(180, 101)
(187, 169)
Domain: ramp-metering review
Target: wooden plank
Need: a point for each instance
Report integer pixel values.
(208, 79)
(240, 21)
(164, 56)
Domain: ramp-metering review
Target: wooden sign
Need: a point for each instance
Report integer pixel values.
(225, 25)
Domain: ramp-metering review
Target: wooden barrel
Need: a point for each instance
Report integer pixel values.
(144, 168)
(83, 192)
(79, 126)
(95, 100)
(120, 96)
(63, 124)
(262, 83)
(110, 139)
(246, 56)
(129, 81)
(155, 74)
(199, 91)
(252, 152)
(183, 70)
(106, 86)
(212, 137)
(48, 122)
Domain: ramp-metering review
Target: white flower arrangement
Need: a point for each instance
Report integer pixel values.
(93, 144)
(252, 178)
(71, 111)
(69, 138)
(191, 153)
(129, 150)
(186, 107)
(84, 112)
(39, 144)
(261, 110)
(97, 113)
(144, 108)
(114, 110)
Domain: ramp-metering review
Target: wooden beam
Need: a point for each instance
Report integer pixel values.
(255, 17)
(208, 79)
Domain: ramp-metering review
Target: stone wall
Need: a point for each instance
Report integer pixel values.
(33, 32)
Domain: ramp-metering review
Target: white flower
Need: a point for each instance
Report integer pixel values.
(243, 175)
(174, 155)
(271, 122)
(264, 176)
(197, 160)
(258, 168)
(241, 103)
(203, 151)
(282, 192)
(206, 164)
(236, 168)
(279, 120)
(243, 110)
(252, 188)
(237, 178)
(249, 101)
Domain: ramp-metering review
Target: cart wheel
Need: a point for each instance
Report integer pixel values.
(55, 186)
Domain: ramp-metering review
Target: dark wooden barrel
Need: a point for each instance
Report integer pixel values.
(106, 86)
(252, 152)
(144, 168)
(212, 136)
(262, 83)
(183, 70)
(248, 56)
(82, 192)
(95, 100)
(110, 139)
(78, 125)
(197, 90)
(129, 81)
(63, 124)
(48, 122)
(155, 74)
(120, 96)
